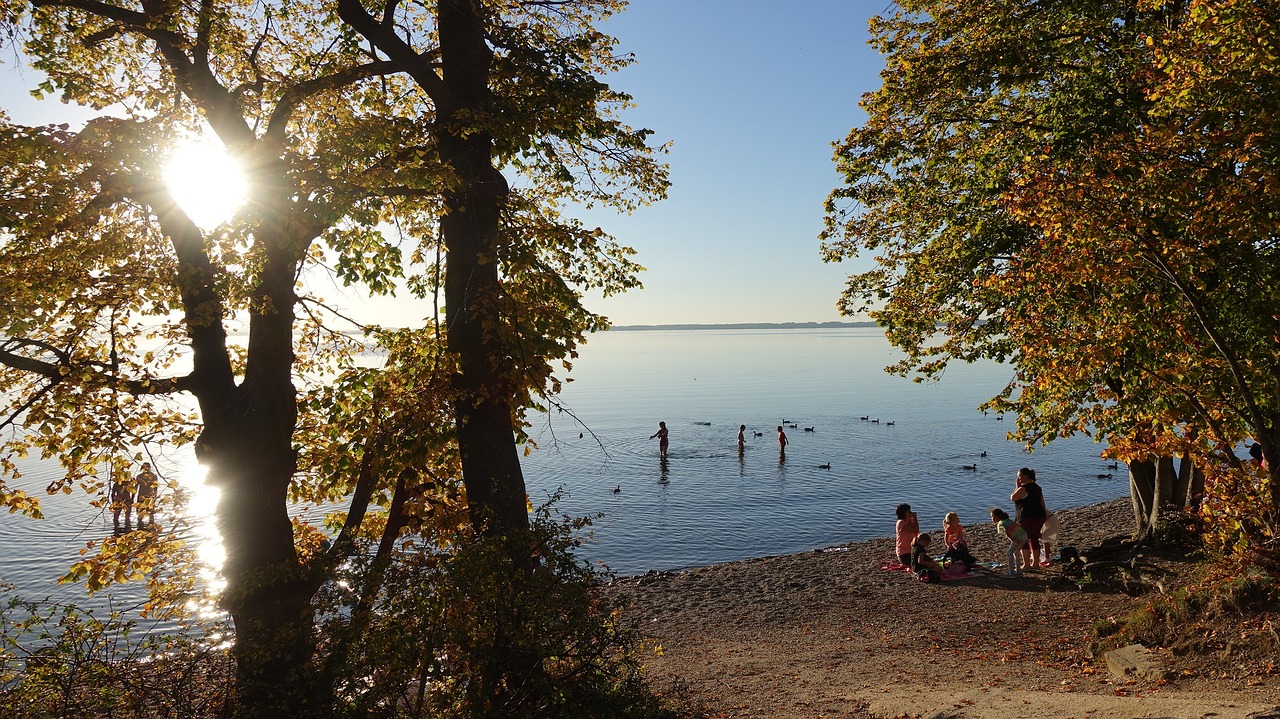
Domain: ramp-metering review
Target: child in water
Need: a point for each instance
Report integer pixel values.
(1017, 539)
(906, 529)
(925, 567)
(957, 547)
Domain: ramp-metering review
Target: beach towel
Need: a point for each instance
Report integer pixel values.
(952, 572)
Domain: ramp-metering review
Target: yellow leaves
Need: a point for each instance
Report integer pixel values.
(120, 559)
(19, 502)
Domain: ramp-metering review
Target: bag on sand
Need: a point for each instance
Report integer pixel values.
(1052, 526)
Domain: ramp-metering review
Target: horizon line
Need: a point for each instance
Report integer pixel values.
(743, 325)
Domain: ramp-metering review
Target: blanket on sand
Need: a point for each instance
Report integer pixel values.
(951, 572)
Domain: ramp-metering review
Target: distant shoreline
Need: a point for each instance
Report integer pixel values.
(745, 326)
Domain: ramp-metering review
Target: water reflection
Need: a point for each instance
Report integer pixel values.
(201, 503)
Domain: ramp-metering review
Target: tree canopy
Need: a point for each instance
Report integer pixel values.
(1082, 189)
(438, 159)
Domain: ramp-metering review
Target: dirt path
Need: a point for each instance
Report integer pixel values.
(830, 634)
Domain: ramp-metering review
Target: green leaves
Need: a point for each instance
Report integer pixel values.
(1085, 190)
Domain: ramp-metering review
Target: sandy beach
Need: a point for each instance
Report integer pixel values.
(828, 633)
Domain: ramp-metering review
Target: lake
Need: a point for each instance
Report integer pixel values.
(706, 503)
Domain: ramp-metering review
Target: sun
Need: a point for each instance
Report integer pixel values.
(205, 181)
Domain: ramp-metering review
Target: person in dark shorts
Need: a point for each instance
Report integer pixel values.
(1028, 498)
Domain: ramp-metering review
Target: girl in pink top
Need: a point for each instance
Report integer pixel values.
(906, 529)
(957, 547)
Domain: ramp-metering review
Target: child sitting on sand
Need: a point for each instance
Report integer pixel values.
(925, 567)
(957, 547)
(905, 530)
(1017, 539)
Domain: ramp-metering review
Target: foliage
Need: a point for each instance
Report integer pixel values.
(61, 662)
(129, 329)
(432, 643)
(1071, 188)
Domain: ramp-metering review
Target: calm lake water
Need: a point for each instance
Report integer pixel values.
(707, 502)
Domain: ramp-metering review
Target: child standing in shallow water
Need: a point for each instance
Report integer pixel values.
(957, 547)
(1017, 538)
(906, 529)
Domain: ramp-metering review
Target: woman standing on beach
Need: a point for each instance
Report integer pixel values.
(1029, 499)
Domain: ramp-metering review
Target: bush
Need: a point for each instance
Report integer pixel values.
(459, 630)
(63, 662)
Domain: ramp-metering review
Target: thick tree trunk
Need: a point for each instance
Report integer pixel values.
(484, 408)
(1142, 493)
(1166, 479)
(247, 447)
(266, 595)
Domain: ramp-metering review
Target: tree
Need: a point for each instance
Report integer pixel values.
(120, 305)
(484, 50)
(1033, 192)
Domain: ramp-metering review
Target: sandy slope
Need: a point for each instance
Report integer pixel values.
(830, 634)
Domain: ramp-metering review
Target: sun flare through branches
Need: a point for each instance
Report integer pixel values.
(205, 181)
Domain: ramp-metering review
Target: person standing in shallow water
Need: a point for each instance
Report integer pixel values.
(742, 437)
(661, 434)
(122, 501)
(148, 488)
(782, 441)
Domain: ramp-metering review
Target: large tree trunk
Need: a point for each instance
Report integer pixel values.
(1152, 488)
(484, 408)
(1142, 493)
(1166, 480)
(247, 447)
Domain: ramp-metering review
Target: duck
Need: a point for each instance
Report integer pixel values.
(808, 429)
(758, 434)
(1113, 465)
(875, 421)
(617, 489)
(890, 423)
(970, 467)
(825, 466)
(984, 453)
(864, 418)
(704, 424)
(1105, 476)
(793, 426)
(999, 418)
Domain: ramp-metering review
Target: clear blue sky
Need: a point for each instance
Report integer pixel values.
(751, 93)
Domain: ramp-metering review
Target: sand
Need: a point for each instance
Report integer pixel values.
(828, 633)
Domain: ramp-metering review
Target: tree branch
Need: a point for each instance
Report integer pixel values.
(57, 372)
(419, 66)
